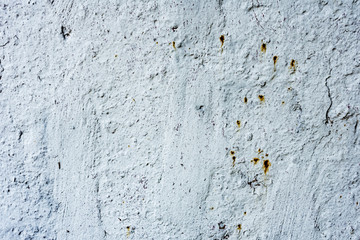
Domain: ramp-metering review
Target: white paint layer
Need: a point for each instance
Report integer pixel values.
(132, 120)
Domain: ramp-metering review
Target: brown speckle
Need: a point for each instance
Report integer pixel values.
(239, 227)
(59, 165)
(266, 166)
(283, 102)
(275, 58)
(263, 47)
(116, 55)
(222, 39)
(244, 213)
(255, 160)
(232, 152)
(293, 65)
(173, 44)
(238, 123)
(261, 98)
(245, 99)
(233, 163)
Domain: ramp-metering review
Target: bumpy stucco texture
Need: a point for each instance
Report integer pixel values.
(179, 119)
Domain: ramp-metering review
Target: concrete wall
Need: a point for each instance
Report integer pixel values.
(179, 119)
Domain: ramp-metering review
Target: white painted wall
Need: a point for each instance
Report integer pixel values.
(118, 118)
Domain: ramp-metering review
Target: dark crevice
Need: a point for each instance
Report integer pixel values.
(356, 124)
(65, 32)
(327, 118)
(3, 45)
(355, 129)
(20, 135)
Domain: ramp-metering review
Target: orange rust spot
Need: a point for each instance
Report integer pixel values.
(261, 98)
(263, 48)
(293, 65)
(239, 227)
(222, 40)
(255, 160)
(266, 166)
(260, 151)
(275, 58)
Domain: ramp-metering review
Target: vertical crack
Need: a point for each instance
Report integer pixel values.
(327, 118)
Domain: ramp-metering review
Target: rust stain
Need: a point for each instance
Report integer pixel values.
(293, 65)
(263, 47)
(261, 98)
(222, 40)
(255, 160)
(275, 58)
(266, 166)
(239, 227)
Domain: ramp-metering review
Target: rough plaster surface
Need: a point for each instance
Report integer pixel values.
(128, 119)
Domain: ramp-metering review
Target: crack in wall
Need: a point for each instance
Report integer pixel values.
(327, 118)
